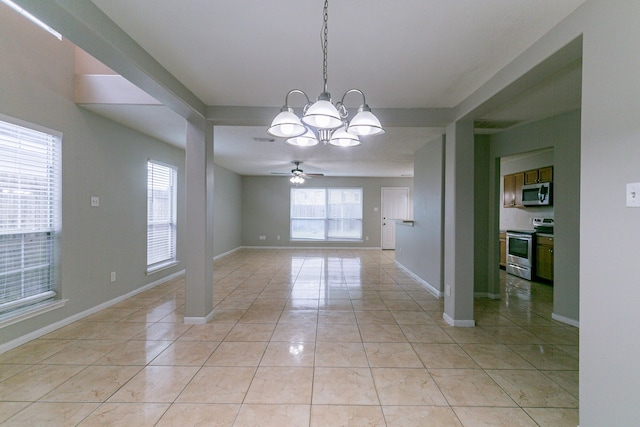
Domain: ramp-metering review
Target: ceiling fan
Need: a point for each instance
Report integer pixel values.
(297, 175)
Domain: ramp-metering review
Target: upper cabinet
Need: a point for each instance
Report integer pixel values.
(513, 190)
(512, 197)
(539, 175)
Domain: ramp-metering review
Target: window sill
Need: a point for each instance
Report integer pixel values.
(160, 267)
(29, 312)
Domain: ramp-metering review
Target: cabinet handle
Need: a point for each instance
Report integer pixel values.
(550, 250)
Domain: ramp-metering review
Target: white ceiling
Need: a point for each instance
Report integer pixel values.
(401, 54)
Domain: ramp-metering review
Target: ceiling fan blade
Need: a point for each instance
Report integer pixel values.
(281, 173)
(313, 174)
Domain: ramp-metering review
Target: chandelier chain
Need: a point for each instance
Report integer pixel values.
(325, 43)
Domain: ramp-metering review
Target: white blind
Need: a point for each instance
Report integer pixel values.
(29, 215)
(161, 215)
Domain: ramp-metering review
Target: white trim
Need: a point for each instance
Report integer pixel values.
(459, 323)
(160, 267)
(422, 282)
(66, 321)
(198, 320)
(566, 320)
(30, 311)
(227, 253)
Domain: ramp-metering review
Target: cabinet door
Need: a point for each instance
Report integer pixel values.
(544, 258)
(509, 193)
(519, 182)
(545, 174)
(531, 177)
(512, 193)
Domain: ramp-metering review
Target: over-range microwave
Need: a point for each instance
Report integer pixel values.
(537, 194)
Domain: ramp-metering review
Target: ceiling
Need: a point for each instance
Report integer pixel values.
(405, 54)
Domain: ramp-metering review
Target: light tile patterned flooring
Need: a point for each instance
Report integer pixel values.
(301, 338)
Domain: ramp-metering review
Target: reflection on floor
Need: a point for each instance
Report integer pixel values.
(302, 338)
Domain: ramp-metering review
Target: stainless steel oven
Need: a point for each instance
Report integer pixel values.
(520, 246)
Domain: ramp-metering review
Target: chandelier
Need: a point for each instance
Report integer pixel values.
(322, 120)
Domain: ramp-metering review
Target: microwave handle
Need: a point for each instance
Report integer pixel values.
(542, 193)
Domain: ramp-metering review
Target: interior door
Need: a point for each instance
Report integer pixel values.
(395, 205)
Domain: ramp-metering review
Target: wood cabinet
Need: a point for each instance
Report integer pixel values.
(512, 194)
(539, 175)
(544, 257)
(503, 249)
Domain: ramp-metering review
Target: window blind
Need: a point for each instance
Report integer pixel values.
(161, 215)
(29, 215)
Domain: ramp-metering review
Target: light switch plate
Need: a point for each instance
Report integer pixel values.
(95, 201)
(633, 195)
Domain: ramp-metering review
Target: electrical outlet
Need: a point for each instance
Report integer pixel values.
(95, 201)
(113, 276)
(263, 237)
(278, 237)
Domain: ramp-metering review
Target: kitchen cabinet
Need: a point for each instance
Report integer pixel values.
(503, 249)
(512, 194)
(539, 175)
(544, 257)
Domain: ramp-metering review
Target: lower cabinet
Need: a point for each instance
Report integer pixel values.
(503, 249)
(544, 257)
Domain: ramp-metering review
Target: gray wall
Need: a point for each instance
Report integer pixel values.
(227, 216)
(481, 191)
(419, 248)
(265, 209)
(562, 133)
(609, 231)
(99, 158)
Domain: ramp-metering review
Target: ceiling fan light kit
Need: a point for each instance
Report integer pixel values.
(322, 120)
(297, 175)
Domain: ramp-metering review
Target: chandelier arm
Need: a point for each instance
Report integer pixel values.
(364, 101)
(292, 91)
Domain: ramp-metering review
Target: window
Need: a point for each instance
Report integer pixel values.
(326, 214)
(29, 215)
(161, 216)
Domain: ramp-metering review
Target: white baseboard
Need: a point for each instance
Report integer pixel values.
(227, 253)
(68, 320)
(566, 320)
(314, 247)
(459, 323)
(418, 279)
(199, 320)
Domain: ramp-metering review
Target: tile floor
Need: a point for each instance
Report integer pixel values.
(301, 338)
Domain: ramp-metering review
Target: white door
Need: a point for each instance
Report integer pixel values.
(395, 205)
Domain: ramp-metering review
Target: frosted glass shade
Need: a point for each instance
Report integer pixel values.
(365, 123)
(305, 140)
(286, 125)
(342, 138)
(322, 115)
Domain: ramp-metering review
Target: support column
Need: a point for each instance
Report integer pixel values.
(459, 224)
(199, 236)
